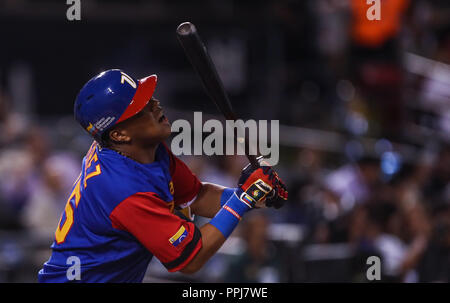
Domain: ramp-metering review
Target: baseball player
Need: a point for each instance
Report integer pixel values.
(122, 210)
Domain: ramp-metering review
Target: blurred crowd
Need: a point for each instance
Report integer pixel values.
(322, 66)
(404, 220)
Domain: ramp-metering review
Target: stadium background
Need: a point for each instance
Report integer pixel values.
(364, 111)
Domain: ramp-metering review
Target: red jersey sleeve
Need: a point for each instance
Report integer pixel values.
(186, 185)
(169, 238)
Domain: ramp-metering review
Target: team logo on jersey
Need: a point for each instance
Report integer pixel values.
(179, 236)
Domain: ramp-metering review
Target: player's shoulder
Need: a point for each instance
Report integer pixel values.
(119, 175)
(110, 176)
(119, 171)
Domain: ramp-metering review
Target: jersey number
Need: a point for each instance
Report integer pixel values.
(62, 231)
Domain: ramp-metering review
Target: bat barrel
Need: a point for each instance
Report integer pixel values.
(186, 28)
(201, 61)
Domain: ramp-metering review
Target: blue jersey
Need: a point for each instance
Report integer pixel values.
(119, 215)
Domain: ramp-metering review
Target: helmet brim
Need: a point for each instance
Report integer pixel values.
(144, 92)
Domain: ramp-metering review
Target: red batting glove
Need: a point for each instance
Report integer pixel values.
(267, 178)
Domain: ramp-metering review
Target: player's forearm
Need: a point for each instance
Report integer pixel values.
(254, 186)
(207, 203)
(212, 240)
(218, 229)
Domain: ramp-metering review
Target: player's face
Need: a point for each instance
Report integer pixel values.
(150, 125)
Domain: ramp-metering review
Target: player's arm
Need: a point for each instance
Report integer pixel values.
(212, 239)
(252, 191)
(207, 202)
(210, 199)
(205, 199)
(177, 243)
(168, 237)
(256, 187)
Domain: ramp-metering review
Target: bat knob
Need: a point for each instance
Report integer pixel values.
(186, 28)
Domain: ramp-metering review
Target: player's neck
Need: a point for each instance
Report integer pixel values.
(141, 155)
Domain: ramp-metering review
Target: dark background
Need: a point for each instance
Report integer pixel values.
(364, 126)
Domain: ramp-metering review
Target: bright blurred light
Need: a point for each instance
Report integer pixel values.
(390, 163)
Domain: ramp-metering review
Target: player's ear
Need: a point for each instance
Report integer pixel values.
(119, 136)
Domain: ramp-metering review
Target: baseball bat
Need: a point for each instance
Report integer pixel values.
(197, 54)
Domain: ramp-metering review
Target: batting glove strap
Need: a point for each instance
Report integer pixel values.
(254, 193)
(229, 215)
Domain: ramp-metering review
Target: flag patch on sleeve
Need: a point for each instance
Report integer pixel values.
(179, 236)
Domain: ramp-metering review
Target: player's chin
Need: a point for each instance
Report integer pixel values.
(164, 133)
(156, 134)
(166, 129)
(161, 129)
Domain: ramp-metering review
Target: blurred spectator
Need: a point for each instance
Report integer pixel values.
(258, 262)
(380, 215)
(370, 34)
(354, 183)
(305, 194)
(377, 228)
(41, 213)
(34, 176)
(375, 61)
(437, 188)
(435, 264)
(14, 125)
(18, 179)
